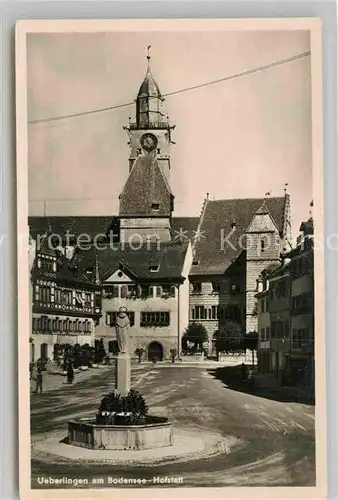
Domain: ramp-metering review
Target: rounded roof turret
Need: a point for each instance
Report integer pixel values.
(149, 87)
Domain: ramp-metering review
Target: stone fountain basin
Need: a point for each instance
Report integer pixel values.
(156, 432)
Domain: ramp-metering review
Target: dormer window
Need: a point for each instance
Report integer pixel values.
(154, 269)
(195, 262)
(155, 207)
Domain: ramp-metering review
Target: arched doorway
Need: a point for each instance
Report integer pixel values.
(155, 351)
(44, 351)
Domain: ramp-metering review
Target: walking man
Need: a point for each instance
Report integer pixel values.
(38, 381)
(31, 370)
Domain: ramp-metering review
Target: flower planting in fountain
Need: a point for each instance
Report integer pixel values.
(122, 410)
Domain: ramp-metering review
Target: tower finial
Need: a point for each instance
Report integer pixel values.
(96, 273)
(148, 53)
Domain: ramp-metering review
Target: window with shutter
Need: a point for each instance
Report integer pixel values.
(155, 318)
(124, 291)
(116, 289)
(172, 291)
(158, 291)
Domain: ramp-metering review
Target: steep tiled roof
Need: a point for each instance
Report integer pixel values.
(76, 225)
(169, 258)
(226, 221)
(183, 228)
(145, 186)
(97, 225)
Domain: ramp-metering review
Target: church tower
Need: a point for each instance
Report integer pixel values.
(146, 201)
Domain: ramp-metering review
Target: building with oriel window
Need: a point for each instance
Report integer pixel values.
(66, 304)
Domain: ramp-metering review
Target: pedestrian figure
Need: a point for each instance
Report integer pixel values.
(244, 369)
(31, 370)
(38, 381)
(251, 376)
(70, 374)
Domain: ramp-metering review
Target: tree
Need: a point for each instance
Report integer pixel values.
(139, 353)
(228, 337)
(250, 341)
(196, 334)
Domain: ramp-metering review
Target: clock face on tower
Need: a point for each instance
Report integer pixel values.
(148, 142)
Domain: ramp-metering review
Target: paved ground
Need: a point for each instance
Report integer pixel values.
(278, 437)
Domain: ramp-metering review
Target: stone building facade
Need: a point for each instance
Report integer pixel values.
(152, 284)
(235, 240)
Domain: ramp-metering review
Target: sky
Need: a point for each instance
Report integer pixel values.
(235, 139)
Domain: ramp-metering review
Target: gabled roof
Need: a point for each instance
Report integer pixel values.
(146, 185)
(63, 273)
(222, 228)
(262, 221)
(169, 258)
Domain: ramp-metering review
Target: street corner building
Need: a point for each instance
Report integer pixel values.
(167, 271)
(286, 314)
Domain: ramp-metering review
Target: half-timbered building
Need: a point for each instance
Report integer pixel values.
(66, 304)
